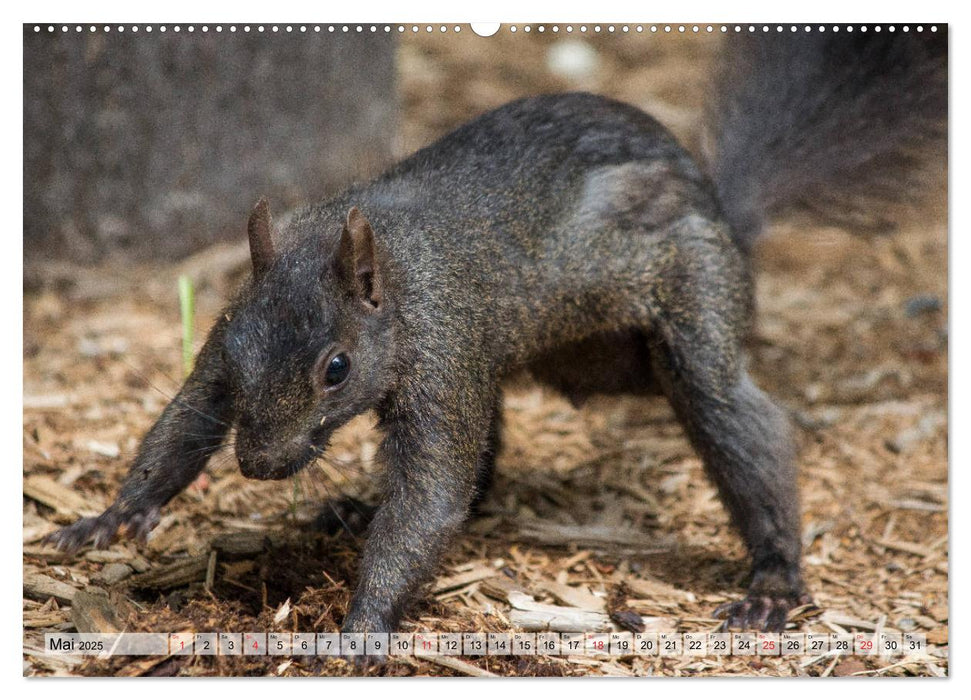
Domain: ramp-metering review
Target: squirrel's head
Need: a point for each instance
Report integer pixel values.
(309, 344)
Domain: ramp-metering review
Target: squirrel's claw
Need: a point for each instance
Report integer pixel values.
(759, 612)
(100, 531)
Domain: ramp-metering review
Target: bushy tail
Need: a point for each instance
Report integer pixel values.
(849, 126)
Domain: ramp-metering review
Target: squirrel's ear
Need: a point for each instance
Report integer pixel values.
(356, 259)
(260, 229)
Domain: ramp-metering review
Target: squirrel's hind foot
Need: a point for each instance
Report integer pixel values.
(759, 611)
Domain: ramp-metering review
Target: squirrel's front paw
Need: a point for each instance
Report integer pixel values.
(101, 530)
(363, 619)
(368, 662)
(759, 611)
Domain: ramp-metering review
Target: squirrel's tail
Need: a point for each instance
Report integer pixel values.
(847, 126)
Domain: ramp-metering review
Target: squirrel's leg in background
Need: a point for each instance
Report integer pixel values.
(191, 428)
(743, 438)
(434, 439)
(485, 469)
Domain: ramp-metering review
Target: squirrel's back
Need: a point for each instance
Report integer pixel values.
(545, 197)
(527, 160)
(846, 126)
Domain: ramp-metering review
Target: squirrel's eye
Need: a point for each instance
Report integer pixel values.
(337, 369)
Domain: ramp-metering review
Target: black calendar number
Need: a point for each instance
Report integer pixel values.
(694, 645)
(719, 645)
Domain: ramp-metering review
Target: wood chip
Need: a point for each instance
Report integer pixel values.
(105, 449)
(849, 667)
(94, 612)
(282, 612)
(60, 664)
(500, 587)
(592, 536)
(448, 583)
(211, 570)
(45, 618)
(141, 666)
(64, 501)
(244, 543)
(47, 401)
(914, 504)
(654, 590)
(575, 596)
(32, 533)
(48, 553)
(906, 547)
(561, 620)
(457, 664)
(532, 616)
(628, 620)
(179, 573)
(105, 556)
(114, 573)
(844, 622)
(42, 587)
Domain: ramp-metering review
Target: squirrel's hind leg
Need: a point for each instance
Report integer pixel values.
(743, 438)
(486, 467)
(745, 443)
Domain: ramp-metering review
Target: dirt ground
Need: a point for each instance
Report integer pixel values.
(608, 500)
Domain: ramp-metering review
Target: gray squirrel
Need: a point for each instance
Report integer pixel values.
(569, 235)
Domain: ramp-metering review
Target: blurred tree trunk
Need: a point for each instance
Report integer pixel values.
(154, 144)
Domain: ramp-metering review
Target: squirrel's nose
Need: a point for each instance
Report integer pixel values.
(274, 462)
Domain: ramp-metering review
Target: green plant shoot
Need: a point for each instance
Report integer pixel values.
(187, 307)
